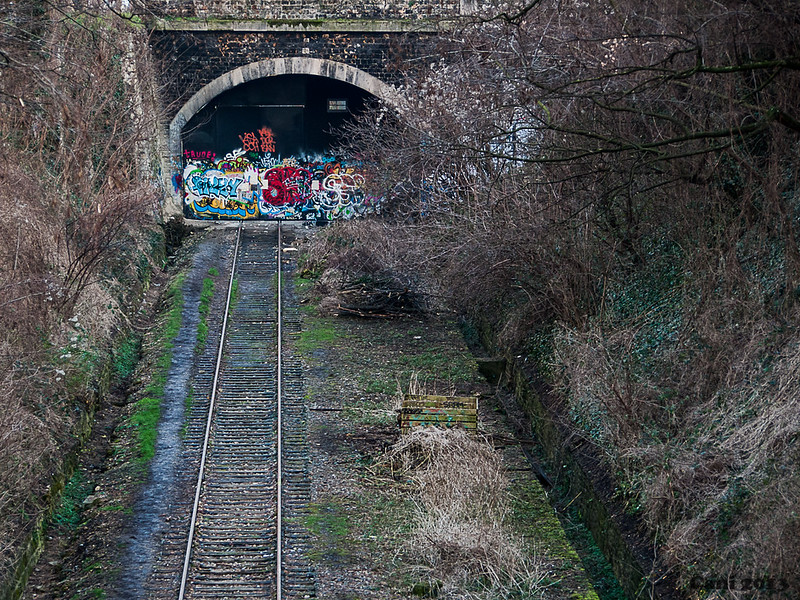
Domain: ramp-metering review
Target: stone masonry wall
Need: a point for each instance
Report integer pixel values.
(191, 59)
(304, 9)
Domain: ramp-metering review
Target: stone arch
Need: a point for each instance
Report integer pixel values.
(260, 70)
(271, 68)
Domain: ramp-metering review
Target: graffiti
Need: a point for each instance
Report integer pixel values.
(264, 143)
(245, 185)
(203, 155)
(214, 192)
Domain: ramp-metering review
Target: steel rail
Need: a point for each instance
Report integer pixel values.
(229, 550)
(196, 506)
(279, 526)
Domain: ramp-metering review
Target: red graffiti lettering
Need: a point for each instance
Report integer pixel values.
(287, 185)
(267, 139)
(199, 155)
(249, 142)
(265, 142)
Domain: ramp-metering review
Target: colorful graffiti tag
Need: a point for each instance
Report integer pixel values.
(245, 185)
(266, 143)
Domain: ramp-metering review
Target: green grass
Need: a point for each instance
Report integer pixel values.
(204, 309)
(76, 491)
(368, 413)
(330, 520)
(147, 411)
(302, 286)
(389, 518)
(375, 521)
(379, 385)
(331, 524)
(533, 518)
(145, 419)
(319, 333)
(441, 365)
(234, 295)
(117, 508)
(126, 357)
(188, 402)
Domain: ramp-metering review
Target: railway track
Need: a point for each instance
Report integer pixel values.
(246, 535)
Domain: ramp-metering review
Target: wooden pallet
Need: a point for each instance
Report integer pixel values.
(440, 411)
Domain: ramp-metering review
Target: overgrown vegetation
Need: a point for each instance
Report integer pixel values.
(460, 544)
(353, 280)
(375, 506)
(126, 356)
(78, 236)
(68, 513)
(147, 410)
(613, 188)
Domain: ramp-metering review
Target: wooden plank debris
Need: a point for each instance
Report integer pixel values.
(418, 410)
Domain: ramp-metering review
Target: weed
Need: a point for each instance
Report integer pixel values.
(117, 508)
(452, 366)
(302, 286)
(366, 412)
(390, 517)
(145, 419)
(76, 491)
(459, 532)
(540, 350)
(319, 333)
(126, 357)
(204, 308)
(330, 520)
(234, 295)
(85, 365)
(563, 535)
(147, 411)
(93, 567)
(380, 386)
(330, 523)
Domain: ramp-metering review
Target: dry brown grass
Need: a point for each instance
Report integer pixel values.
(28, 386)
(745, 481)
(74, 210)
(460, 543)
(359, 271)
(712, 466)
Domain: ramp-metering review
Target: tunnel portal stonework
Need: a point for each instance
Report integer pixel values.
(204, 48)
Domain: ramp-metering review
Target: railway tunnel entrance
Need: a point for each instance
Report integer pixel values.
(266, 149)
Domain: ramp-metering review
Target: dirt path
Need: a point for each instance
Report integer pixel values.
(165, 490)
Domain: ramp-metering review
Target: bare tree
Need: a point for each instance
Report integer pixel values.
(624, 176)
(75, 204)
